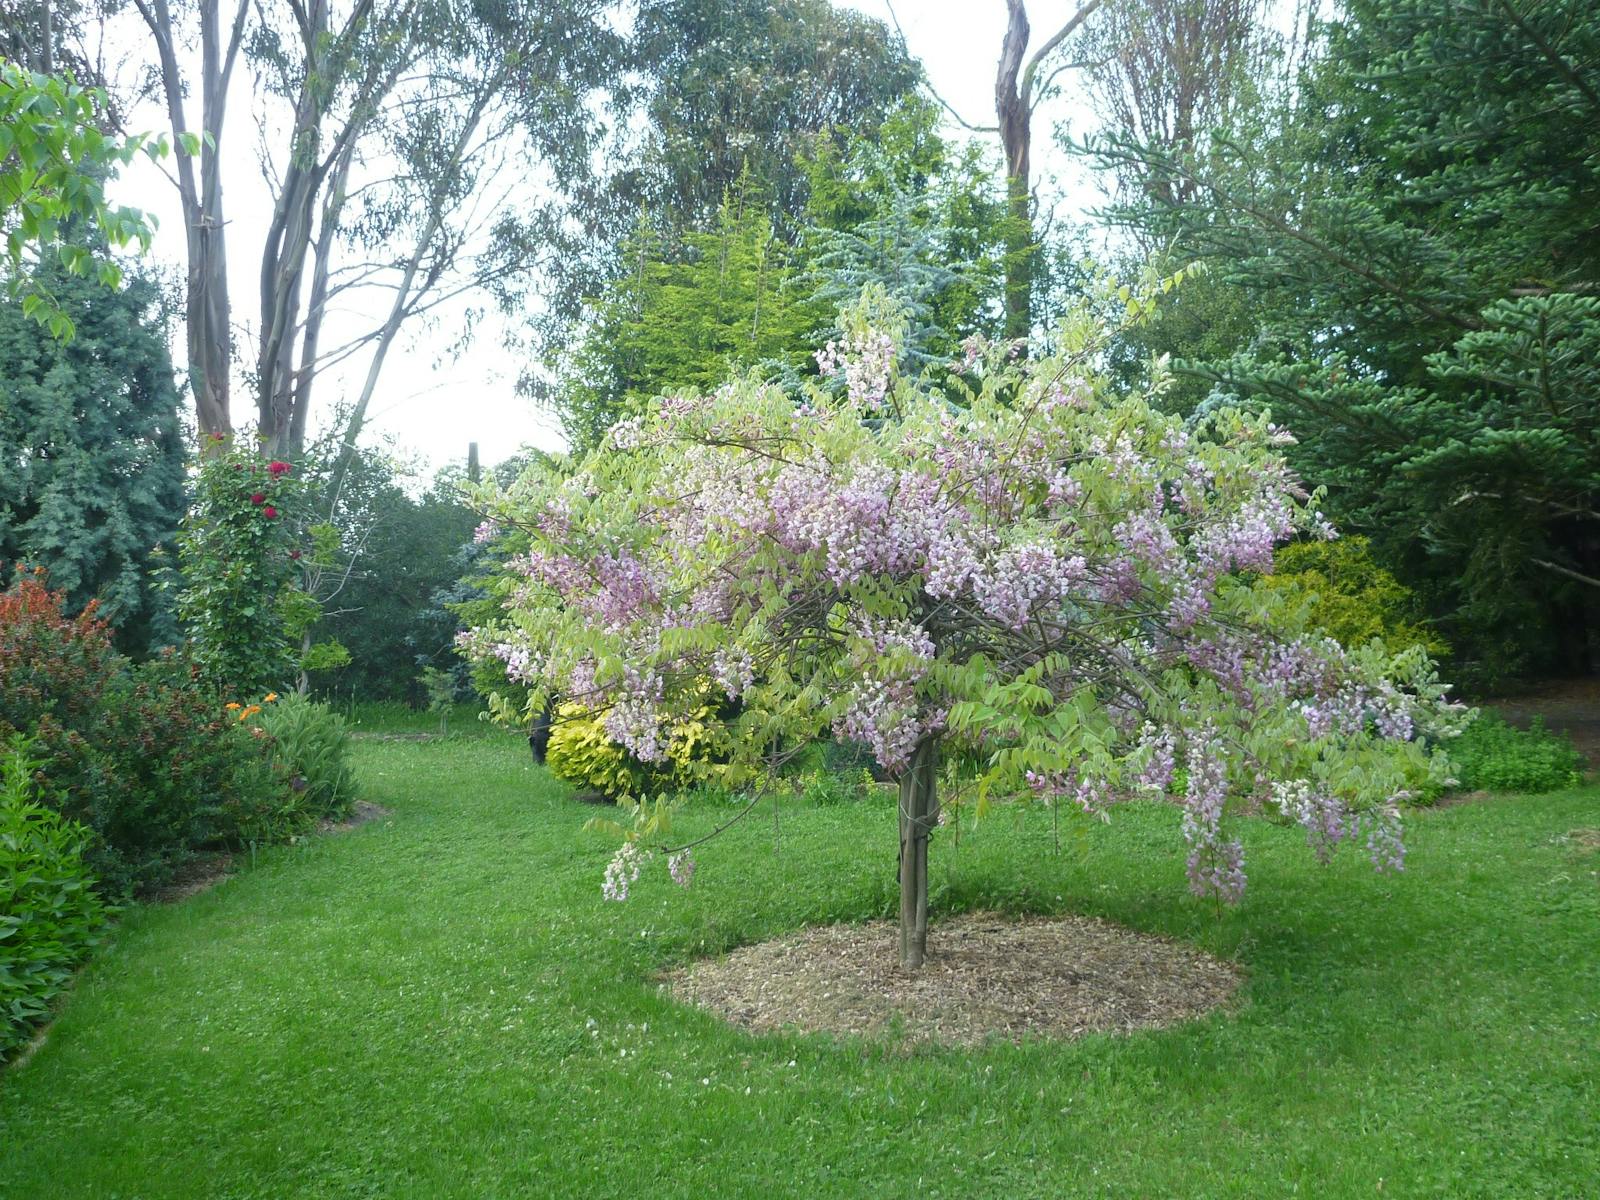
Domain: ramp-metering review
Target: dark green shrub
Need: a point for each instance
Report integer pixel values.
(1491, 755)
(50, 915)
(189, 774)
(311, 754)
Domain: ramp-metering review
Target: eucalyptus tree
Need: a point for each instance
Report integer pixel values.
(1019, 87)
(733, 88)
(392, 135)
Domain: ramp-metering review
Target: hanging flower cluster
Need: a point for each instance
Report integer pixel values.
(1055, 576)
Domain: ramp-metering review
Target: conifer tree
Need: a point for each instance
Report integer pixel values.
(91, 439)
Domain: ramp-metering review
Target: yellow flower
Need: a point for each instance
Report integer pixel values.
(269, 697)
(232, 705)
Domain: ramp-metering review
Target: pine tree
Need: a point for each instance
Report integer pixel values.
(1413, 232)
(92, 446)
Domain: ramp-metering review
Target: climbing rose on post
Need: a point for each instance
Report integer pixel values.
(1019, 563)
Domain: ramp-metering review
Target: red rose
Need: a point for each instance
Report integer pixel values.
(257, 498)
(277, 468)
(270, 513)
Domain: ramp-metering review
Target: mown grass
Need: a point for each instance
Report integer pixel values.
(439, 1004)
(395, 717)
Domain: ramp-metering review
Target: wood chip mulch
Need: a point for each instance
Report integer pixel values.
(987, 977)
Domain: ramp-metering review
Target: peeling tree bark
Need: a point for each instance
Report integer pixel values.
(208, 319)
(1014, 99)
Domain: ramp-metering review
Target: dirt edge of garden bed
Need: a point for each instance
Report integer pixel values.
(988, 977)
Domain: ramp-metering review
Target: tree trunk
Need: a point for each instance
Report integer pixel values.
(919, 812)
(1012, 107)
(208, 318)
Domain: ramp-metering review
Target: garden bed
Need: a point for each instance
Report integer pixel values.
(987, 977)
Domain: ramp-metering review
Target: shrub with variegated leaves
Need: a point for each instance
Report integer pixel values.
(1012, 559)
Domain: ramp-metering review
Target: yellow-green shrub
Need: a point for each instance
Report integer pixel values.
(1352, 598)
(582, 753)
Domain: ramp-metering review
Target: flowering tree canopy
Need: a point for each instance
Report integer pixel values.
(1009, 559)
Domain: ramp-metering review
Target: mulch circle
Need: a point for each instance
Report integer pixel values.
(987, 977)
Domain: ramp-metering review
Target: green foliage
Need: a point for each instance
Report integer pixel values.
(440, 686)
(54, 158)
(900, 209)
(826, 787)
(1494, 756)
(50, 915)
(1352, 599)
(179, 776)
(914, 214)
(738, 88)
(143, 757)
(238, 551)
(91, 437)
(396, 551)
(683, 313)
(1408, 233)
(311, 754)
(582, 753)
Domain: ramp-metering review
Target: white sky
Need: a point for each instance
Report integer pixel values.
(434, 401)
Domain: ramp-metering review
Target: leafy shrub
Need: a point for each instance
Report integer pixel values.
(143, 757)
(582, 752)
(1491, 755)
(50, 916)
(184, 775)
(1353, 599)
(310, 749)
(824, 788)
(239, 560)
(441, 687)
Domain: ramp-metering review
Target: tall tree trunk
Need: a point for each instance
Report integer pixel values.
(288, 243)
(317, 305)
(1014, 98)
(208, 319)
(919, 812)
(1013, 108)
(47, 50)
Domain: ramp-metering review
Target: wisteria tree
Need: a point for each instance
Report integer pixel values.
(1008, 560)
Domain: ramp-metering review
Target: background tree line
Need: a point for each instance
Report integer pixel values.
(1392, 206)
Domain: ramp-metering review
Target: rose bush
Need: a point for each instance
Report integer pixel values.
(238, 555)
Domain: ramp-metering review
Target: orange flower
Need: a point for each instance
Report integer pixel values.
(232, 706)
(269, 697)
(246, 714)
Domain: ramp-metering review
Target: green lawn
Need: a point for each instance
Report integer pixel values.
(439, 1004)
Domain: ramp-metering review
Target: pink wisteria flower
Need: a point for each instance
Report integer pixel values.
(1053, 581)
